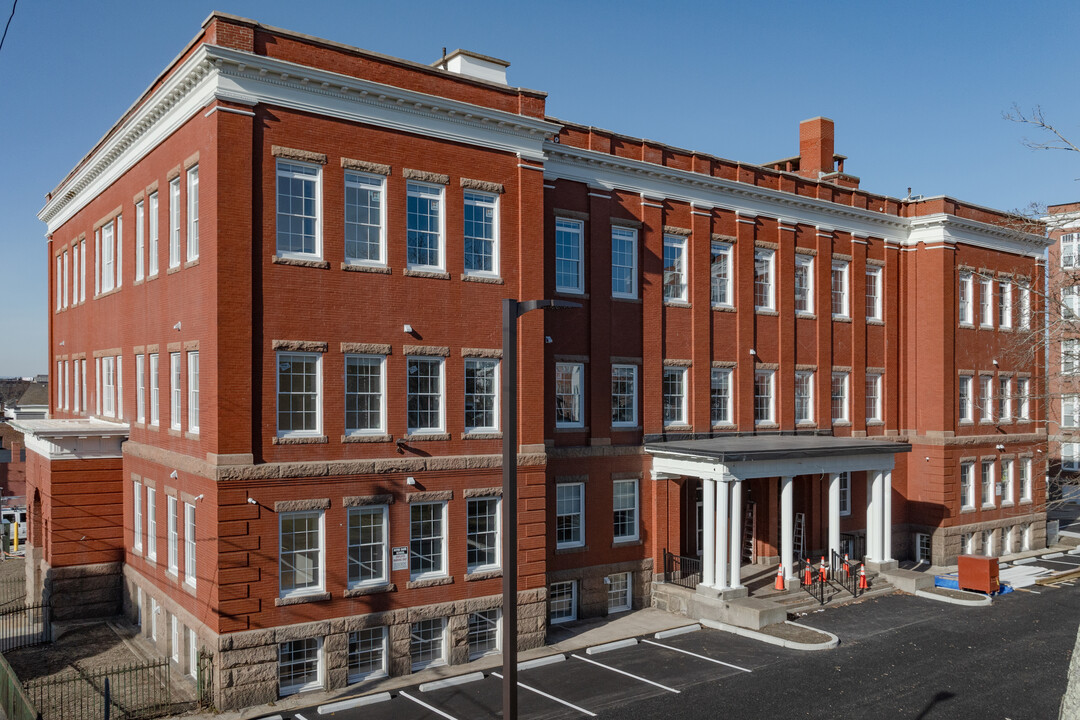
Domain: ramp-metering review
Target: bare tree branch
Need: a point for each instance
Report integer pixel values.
(1036, 118)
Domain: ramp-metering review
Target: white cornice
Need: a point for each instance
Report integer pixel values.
(214, 72)
(613, 172)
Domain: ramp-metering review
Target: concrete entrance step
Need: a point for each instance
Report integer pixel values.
(802, 602)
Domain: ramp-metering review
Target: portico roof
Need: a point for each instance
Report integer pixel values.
(776, 447)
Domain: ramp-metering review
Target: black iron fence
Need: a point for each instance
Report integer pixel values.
(681, 570)
(23, 626)
(846, 573)
(811, 581)
(139, 690)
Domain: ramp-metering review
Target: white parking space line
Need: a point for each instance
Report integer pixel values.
(549, 697)
(623, 672)
(424, 704)
(703, 657)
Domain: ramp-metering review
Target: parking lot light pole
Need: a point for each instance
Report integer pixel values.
(512, 310)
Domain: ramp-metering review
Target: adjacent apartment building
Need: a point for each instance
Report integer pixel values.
(1062, 345)
(274, 428)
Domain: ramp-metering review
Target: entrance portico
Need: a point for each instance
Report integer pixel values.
(725, 464)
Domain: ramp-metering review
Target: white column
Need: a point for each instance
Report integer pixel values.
(736, 533)
(878, 500)
(834, 514)
(708, 535)
(872, 513)
(886, 525)
(787, 526)
(722, 531)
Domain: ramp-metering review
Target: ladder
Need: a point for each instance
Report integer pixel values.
(800, 534)
(749, 550)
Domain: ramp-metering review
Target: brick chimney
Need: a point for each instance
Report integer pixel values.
(816, 147)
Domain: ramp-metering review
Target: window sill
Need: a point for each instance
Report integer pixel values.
(767, 425)
(874, 423)
(571, 550)
(429, 582)
(301, 599)
(1007, 504)
(151, 277)
(579, 294)
(425, 437)
(300, 440)
(967, 423)
(678, 427)
(841, 423)
(805, 315)
(766, 311)
(483, 575)
(356, 267)
(677, 303)
(985, 327)
(724, 426)
(1005, 329)
(625, 428)
(363, 590)
(188, 588)
(875, 321)
(806, 424)
(481, 435)
(173, 269)
(431, 274)
(571, 428)
(174, 432)
(989, 507)
(966, 326)
(966, 509)
(191, 435)
(1025, 502)
(193, 262)
(155, 428)
(841, 319)
(636, 542)
(366, 438)
(486, 279)
(297, 262)
(723, 308)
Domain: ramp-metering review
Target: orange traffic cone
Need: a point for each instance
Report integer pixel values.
(847, 568)
(809, 575)
(824, 573)
(862, 579)
(780, 578)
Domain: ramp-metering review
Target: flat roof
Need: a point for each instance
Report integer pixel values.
(70, 427)
(743, 448)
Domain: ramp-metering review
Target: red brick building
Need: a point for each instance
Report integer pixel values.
(276, 342)
(1062, 343)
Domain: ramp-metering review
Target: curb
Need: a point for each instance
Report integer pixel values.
(773, 640)
(982, 600)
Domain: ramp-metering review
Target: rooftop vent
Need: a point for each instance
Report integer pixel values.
(481, 67)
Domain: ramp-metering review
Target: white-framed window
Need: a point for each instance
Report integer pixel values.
(623, 395)
(189, 544)
(67, 275)
(193, 653)
(481, 233)
(155, 418)
(1070, 356)
(966, 410)
(967, 543)
(365, 219)
(619, 586)
(138, 607)
(140, 388)
(986, 302)
(721, 293)
(764, 397)
(75, 273)
(1022, 399)
(484, 633)
(97, 267)
(482, 534)
(120, 386)
(987, 484)
(172, 535)
(840, 291)
(720, 396)
(174, 223)
(67, 384)
(967, 486)
(804, 396)
(365, 394)
(137, 519)
(569, 515)
(300, 666)
(97, 378)
(427, 540)
(675, 268)
(923, 548)
(873, 293)
(845, 493)
(140, 240)
(873, 397)
(59, 284)
(151, 524)
(988, 543)
(1025, 537)
(569, 398)
(1070, 410)
(1025, 305)
(1005, 311)
(964, 296)
(1008, 484)
(986, 397)
(427, 643)
(299, 407)
(368, 534)
(1070, 456)
(174, 638)
(299, 200)
(108, 398)
(764, 283)
(58, 381)
(623, 262)
(425, 391)
(85, 389)
(154, 611)
(1070, 302)
(674, 395)
(193, 390)
(1006, 541)
(109, 254)
(625, 508)
(301, 553)
(804, 283)
(424, 226)
(569, 256)
(175, 391)
(367, 654)
(481, 395)
(82, 271)
(1069, 244)
(193, 213)
(562, 602)
(1004, 399)
(839, 394)
(1025, 480)
(152, 235)
(76, 395)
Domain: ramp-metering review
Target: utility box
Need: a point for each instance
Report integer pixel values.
(978, 573)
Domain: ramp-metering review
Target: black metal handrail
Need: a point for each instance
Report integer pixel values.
(815, 587)
(846, 573)
(681, 570)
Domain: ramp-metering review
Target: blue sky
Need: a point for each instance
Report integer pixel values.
(916, 89)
